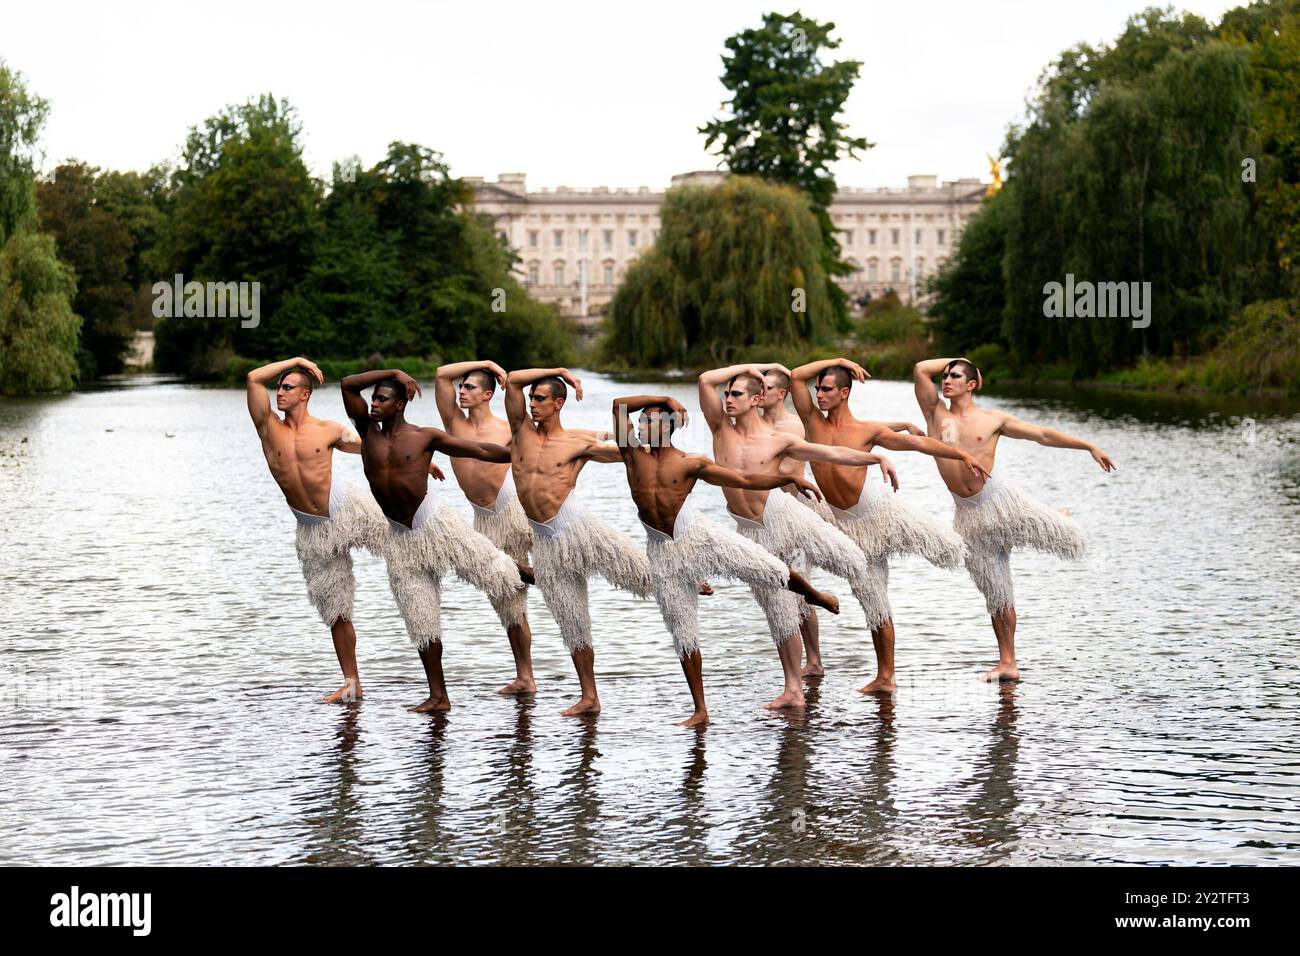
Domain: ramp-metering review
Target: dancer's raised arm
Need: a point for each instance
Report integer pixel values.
(259, 403)
(709, 381)
(518, 380)
(353, 385)
(804, 403)
(444, 385)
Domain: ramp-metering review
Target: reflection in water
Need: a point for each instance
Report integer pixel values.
(425, 836)
(336, 826)
(172, 579)
(992, 811)
(515, 830)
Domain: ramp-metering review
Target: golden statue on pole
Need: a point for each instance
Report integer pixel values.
(995, 168)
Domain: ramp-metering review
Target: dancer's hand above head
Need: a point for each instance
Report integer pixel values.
(413, 389)
(856, 370)
(313, 368)
(574, 382)
(678, 409)
(1101, 458)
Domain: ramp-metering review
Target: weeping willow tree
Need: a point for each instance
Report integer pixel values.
(735, 265)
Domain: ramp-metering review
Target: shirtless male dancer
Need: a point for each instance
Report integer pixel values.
(746, 443)
(466, 412)
(776, 387)
(684, 547)
(569, 545)
(425, 539)
(992, 516)
(879, 523)
(332, 519)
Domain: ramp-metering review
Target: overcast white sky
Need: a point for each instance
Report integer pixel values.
(575, 94)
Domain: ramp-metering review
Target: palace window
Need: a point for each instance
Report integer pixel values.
(895, 270)
(871, 237)
(848, 239)
(873, 270)
(607, 237)
(582, 240)
(631, 238)
(939, 237)
(609, 273)
(534, 274)
(532, 238)
(557, 238)
(917, 240)
(559, 273)
(893, 237)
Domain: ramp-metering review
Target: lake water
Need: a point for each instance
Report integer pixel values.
(161, 667)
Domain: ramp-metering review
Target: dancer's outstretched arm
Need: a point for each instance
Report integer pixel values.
(886, 438)
(724, 477)
(1013, 427)
(839, 455)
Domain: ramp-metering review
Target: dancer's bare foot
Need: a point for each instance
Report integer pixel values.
(825, 601)
(587, 705)
(705, 587)
(791, 698)
(697, 719)
(525, 573)
(520, 685)
(813, 669)
(881, 685)
(348, 693)
(431, 705)
(1003, 672)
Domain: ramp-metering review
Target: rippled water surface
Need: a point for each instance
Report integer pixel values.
(161, 667)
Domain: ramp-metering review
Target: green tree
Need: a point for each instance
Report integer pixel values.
(96, 245)
(38, 329)
(244, 209)
(970, 292)
(784, 124)
(721, 276)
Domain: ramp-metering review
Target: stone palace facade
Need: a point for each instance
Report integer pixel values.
(576, 244)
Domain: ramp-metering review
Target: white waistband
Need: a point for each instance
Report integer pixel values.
(423, 515)
(992, 484)
(681, 524)
(504, 494)
(570, 512)
(336, 497)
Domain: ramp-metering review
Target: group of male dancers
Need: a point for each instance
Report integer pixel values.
(519, 475)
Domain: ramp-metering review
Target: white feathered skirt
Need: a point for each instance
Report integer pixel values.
(325, 548)
(506, 526)
(998, 518)
(699, 548)
(571, 547)
(441, 540)
(882, 525)
(788, 529)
